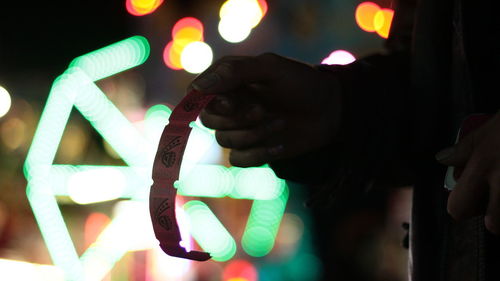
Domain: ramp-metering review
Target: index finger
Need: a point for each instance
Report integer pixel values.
(231, 73)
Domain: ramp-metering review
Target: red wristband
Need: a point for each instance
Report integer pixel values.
(166, 169)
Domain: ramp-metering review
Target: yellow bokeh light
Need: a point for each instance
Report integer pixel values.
(142, 7)
(382, 22)
(365, 14)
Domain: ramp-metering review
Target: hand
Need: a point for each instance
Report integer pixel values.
(477, 190)
(269, 107)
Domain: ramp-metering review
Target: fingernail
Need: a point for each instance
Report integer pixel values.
(445, 153)
(276, 150)
(206, 82)
(276, 125)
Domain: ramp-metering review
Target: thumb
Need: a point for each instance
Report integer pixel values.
(458, 154)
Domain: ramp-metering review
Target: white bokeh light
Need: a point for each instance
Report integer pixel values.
(247, 11)
(340, 57)
(5, 101)
(233, 30)
(196, 57)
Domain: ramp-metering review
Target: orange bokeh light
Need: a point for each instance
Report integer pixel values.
(94, 224)
(371, 18)
(240, 270)
(365, 15)
(383, 21)
(171, 57)
(142, 7)
(185, 31)
(263, 6)
(185, 23)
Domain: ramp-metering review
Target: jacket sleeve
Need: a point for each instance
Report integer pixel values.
(375, 140)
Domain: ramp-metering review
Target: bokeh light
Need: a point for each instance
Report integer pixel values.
(208, 231)
(239, 269)
(196, 57)
(172, 58)
(233, 30)
(187, 22)
(96, 185)
(5, 101)
(340, 57)
(365, 14)
(238, 17)
(370, 17)
(142, 7)
(383, 21)
(187, 31)
(13, 133)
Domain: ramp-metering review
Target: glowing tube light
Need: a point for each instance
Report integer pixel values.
(51, 126)
(114, 58)
(257, 184)
(263, 224)
(24, 271)
(54, 230)
(208, 231)
(112, 125)
(37, 168)
(155, 120)
(206, 181)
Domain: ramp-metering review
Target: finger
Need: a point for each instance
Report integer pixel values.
(251, 117)
(492, 217)
(241, 139)
(221, 105)
(229, 74)
(256, 156)
(469, 196)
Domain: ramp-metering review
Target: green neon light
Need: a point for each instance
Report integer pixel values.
(263, 224)
(114, 58)
(206, 181)
(76, 87)
(210, 234)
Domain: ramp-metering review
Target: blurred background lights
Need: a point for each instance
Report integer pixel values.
(196, 57)
(341, 57)
(370, 17)
(239, 270)
(187, 22)
(96, 185)
(208, 231)
(142, 7)
(5, 101)
(382, 22)
(13, 133)
(238, 17)
(365, 14)
(233, 30)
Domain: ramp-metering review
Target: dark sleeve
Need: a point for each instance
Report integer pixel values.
(375, 141)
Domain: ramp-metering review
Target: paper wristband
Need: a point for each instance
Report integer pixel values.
(166, 169)
(468, 125)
